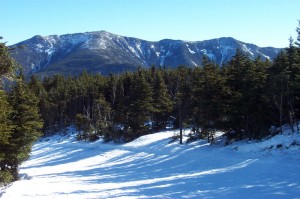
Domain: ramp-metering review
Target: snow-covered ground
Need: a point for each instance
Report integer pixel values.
(154, 167)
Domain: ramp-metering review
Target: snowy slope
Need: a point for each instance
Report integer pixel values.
(154, 167)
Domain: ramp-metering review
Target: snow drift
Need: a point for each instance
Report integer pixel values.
(154, 167)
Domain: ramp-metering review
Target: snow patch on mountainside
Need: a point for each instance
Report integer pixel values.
(208, 54)
(267, 57)
(191, 51)
(248, 50)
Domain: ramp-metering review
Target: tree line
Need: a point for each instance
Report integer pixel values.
(244, 98)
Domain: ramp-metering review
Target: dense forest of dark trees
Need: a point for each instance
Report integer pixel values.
(244, 99)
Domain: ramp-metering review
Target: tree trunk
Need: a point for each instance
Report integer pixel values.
(180, 124)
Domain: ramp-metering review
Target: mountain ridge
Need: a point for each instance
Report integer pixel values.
(104, 52)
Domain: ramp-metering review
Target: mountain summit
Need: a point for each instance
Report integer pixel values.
(104, 52)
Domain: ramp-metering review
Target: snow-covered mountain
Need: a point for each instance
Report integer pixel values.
(104, 52)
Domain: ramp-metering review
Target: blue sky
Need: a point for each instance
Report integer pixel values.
(262, 22)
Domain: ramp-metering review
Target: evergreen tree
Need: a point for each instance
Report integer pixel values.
(293, 86)
(102, 118)
(6, 128)
(27, 124)
(259, 101)
(182, 98)
(246, 83)
(162, 103)
(83, 125)
(208, 95)
(5, 123)
(141, 107)
(124, 99)
(298, 35)
(278, 80)
(7, 65)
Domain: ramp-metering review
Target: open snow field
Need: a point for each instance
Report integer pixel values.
(151, 167)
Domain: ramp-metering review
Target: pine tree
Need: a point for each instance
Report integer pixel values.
(235, 72)
(124, 99)
(182, 97)
(141, 106)
(102, 118)
(293, 86)
(259, 101)
(248, 103)
(278, 80)
(5, 123)
(208, 95)
(162, 103)
(27, 124)
(6, 128)
(7, 65)
(298, 35)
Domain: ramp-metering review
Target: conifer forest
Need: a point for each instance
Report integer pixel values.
(245, 98)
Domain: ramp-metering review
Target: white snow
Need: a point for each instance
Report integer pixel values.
(194, 63)
(134, 52)
(191, 51)
(102, 43)
(49, 51)
(267, 57)
(154, 167)
(208, 54)
(39, 48)
(245, 48)
(138, 46)
(157, 53)
(50, 39)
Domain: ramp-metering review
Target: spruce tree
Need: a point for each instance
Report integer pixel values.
(182, 97)
(102, 118)
(207, 99)
(298, 35)
(247, 102)
(5, 122)
(7, 65)
(6, 128)
(141, 106)
(162, 103)
(277, 83)
(236, 72)
(122, 109)
(293, 87)
(27, 124)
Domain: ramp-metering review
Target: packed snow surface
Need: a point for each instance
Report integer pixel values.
(154, 166)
